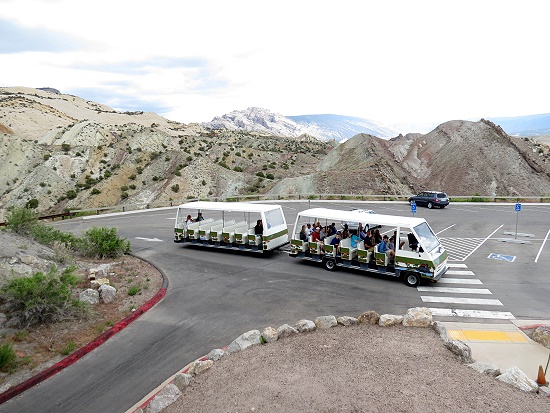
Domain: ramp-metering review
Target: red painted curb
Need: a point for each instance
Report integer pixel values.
(67, 361)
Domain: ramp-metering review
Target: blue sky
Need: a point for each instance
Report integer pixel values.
(413, 64)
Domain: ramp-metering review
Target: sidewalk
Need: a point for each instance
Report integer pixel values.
(503, 345)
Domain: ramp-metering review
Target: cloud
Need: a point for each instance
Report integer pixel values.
(15, 38)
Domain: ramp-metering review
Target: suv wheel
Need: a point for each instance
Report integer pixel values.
(430, 205)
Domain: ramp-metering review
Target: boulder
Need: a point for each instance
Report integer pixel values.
(517, 378)
(542, 335)
(270, 335)
(99, 282)
(418, 317)
(107, 293)
(215, 354)
(461, 349)
(182, 380)
(485, 368)
(168, 395)
(244, 341)
(286, 330)
(388, 320)
(369, 317)
(202, 365)
(325, 322)
(303, 326)
(89, 296)
(441, 330)
(347, 321)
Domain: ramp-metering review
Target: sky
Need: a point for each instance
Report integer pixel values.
(403, 63)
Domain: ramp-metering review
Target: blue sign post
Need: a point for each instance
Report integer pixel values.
(413, 207)
(518, 208)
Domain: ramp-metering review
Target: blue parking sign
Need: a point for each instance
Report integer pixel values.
(413, 207)
(518, 207)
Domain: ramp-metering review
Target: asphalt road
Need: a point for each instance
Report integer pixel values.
(214, 296)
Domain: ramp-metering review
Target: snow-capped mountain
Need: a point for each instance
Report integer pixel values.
(324, 127)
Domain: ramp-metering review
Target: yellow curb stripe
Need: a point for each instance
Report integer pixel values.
(480, 335)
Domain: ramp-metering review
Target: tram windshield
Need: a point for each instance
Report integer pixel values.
(427, 238)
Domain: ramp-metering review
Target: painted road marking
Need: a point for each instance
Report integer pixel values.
(459, 272)
(459, 281)
(454, 290)
(501, 257)
(481, 335)
(542, 246)
(448, 312)
(457, 265)
(458, 300)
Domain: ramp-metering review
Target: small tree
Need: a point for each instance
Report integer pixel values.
(104, 242)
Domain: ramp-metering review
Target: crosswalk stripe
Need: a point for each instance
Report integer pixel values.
(459, 281)
(447, 312)
(457, 300)
(457, 265)
(459, 272)
(454, 290)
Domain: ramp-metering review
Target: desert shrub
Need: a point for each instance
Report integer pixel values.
(175, 188)
(133, 290)
(8, 358)
(71, 194)
(32, 203)
(46, 235)
(95, 191)
(269, 176)
(21, 221)
(42, 298)
(103, 242)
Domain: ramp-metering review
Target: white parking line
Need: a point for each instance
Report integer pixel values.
(454, 290)
(445, 229)
(459, 281)
(542, 246)
(475, 249)
(459, 272)
(448, 312)
(457, 300)
(457, 265)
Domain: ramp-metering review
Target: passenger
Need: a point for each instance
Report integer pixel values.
(189, 220)
(345, 232)
(336, 242)
(333, 230)
(377, 238)
(383, 246)
(259, 229)
(390, 251)
(361, 232)
(199, 217)
(369, 244)
(355, 239)
(303, 235)
(316, 237)
(309, 230)
(323, 233)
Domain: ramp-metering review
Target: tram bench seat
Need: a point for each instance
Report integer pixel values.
(228, 232)
(194, 227)
(205, 227)
(382, 258)
(217, 230)
(241, 234)
(347, 252)
(363, 254)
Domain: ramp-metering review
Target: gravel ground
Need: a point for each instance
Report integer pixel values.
(352, 369)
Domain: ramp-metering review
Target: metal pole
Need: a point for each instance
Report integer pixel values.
(517, 216)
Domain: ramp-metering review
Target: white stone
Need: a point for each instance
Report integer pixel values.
(202, 365)
(182, 380)
(387, 320)
(325, 322)
(485, 368)
(168, 395)
(303, 326)
(461, 349)
(90, 296)
(517, 378)
(215, 354)
(347, 321)
(286, 330)
(244, 341)
(418, 317)
(542, 335)
(270, 335)
(107, 293)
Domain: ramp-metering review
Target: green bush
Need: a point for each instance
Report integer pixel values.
(46, 235)
(42, 298)
(32, 203)
(21, 221)
(8, 358)
(103, 242)
(133, 290)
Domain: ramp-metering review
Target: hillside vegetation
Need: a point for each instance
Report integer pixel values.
(60, 151)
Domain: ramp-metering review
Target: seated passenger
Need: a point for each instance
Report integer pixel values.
(332, 230)
(316, 237)
(390, 251)
(303, 235)
(309, 230)
(259, 229)
(189, 220)
(377, 238)
(369, 244)
(336, 242)
(383, 246)
(355, 239)
(361, 232)
(199, 217)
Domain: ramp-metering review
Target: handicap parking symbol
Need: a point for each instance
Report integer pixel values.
(501, 257)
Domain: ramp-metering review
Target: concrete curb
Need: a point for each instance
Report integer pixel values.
(81, 352)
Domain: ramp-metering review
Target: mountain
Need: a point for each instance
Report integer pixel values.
(62, 152)
(324, 127)
(532, 125)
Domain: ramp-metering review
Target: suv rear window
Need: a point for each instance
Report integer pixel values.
(442, 195)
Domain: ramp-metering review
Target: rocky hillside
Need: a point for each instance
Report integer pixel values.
(324, 127)
(60, 151)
